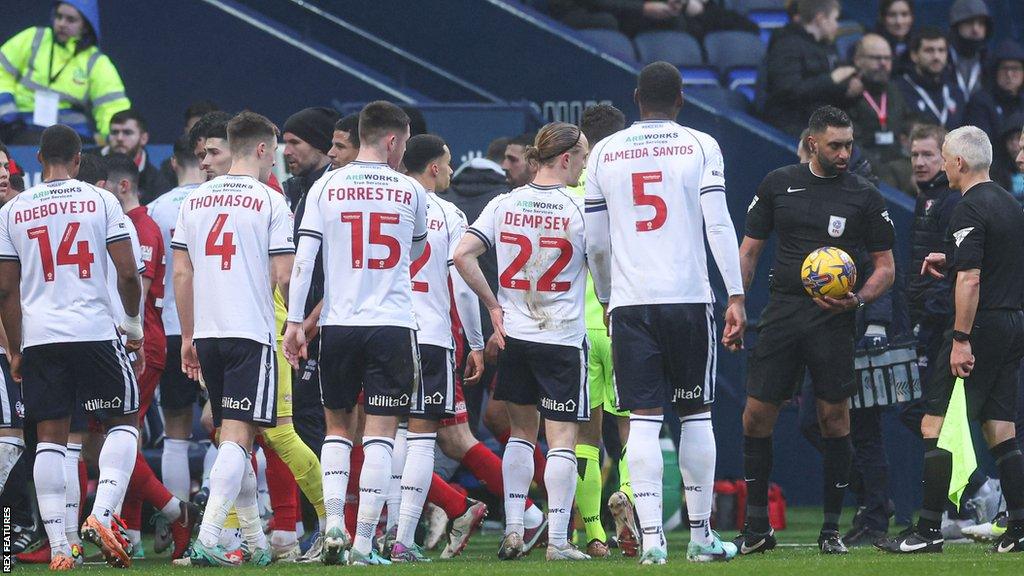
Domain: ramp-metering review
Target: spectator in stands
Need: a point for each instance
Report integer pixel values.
(989, 107)
(57, 74)
(929, 87)
(1005, 149)
(518, 170)
(800, 69)
(895, 24)
(345, 143)
(881, 119)
(129, 136)
(970, 27)
(696, 17)
(307, 138)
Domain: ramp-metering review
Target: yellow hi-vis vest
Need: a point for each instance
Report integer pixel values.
(87, 82)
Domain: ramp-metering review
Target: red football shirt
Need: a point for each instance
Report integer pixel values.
(153, 256)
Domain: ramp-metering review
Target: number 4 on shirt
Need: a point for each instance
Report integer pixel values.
(225, 249)
(82, 257)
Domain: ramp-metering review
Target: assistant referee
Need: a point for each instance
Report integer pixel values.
(809, 206)
(985, 250)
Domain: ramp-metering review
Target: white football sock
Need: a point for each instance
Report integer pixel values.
(560, 480)
(517, 472)
(248, 509)
(646, 469)
(11, 448)
(208, 460)
(262, 490)
(134, 536)
(283, 538)
(697, 464)
(419, 470)
(533, 517)
(394, 499)
(49, 479)
(375, 475)
(116, 461)
(172, 510)
(335, 459)
(174, 469)
(72, 493)
(225, 483)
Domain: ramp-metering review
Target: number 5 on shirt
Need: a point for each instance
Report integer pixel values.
(642, 198)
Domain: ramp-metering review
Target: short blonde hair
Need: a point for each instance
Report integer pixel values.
(972, 144)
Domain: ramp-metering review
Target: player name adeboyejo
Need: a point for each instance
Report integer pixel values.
(634, 153)
(54, 208)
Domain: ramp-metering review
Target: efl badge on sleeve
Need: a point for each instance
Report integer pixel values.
(836, 226)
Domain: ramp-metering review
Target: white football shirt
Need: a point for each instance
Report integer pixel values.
(115, 297)
(231, 226)
(431, 292)
(164, 211)
(650, 178)
(59, 232)
(366, 215)
(538, 235)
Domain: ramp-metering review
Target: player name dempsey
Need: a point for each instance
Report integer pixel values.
(54, 208)
(536, 221)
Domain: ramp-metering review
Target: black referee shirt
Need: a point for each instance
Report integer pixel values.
(986, 231)
(808, 212)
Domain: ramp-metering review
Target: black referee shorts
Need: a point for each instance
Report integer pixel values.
(795, 335)
(997, 342)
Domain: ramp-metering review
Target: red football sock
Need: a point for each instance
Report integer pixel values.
(352, 495)
(281, 484)
(449, 499)
(83, 483)
(540, 461)
(143, 487)
(486, 466)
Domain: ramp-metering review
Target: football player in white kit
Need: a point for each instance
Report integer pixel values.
(64, 344)
(653, 191)
(538, 232)
(234, 240)
(371, 222)
(428, 160)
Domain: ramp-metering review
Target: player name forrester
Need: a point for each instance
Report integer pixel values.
(54, 208)
(369, 193)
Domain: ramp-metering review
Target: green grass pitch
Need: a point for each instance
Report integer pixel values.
(796, 556)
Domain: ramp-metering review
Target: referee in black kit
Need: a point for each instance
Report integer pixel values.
(809, 206)
(985, 251)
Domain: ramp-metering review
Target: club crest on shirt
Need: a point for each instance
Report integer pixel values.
(836, 226)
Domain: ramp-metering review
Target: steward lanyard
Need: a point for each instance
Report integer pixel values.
(881, 108)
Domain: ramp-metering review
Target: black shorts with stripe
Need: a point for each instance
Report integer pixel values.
(177, 391)
(664, 354)
(435, 396)
(241, 379)
(552, 376)
(96, 375)
(381, 361)
(12, 411)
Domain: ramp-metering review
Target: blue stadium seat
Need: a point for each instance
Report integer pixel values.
(746, 6)
(719, 97)
(844, 46)
(748, 92)
(742, 76)
(728, 50)
(699, 76)
(611, 42)
(677, 48)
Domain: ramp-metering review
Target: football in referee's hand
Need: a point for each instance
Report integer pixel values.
(828, 271)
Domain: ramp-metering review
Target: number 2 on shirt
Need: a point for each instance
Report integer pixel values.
(416, 266)
(642, 198)
(83, 258)
(546, 282)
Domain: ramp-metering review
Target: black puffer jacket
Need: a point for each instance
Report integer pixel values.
(929, 296)
(798, 79)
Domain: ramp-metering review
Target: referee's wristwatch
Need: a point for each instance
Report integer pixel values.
(860, 301)
(961, 336)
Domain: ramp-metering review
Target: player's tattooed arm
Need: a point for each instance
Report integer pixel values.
(750, 253)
